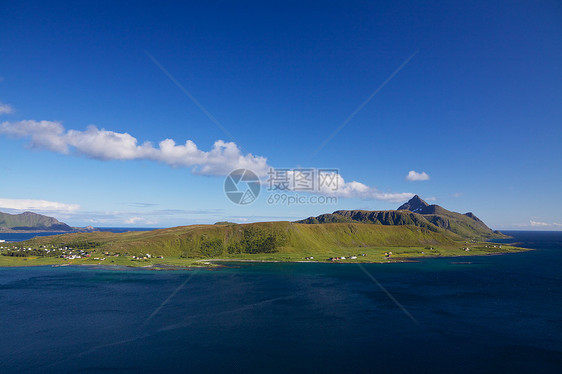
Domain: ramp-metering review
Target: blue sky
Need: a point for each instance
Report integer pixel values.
(473, 101)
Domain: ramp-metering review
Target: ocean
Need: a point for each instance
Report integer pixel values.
(489, 314)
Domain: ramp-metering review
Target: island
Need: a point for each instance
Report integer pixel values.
(31, 222)
(415, 230)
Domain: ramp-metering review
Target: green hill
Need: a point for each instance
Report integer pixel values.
(31, 222)
(418, 213)
(212, 241)
(415, 229)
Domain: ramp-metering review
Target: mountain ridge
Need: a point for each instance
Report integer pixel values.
(29, 221)
(415, 212)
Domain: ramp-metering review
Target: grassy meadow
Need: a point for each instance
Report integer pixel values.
(205, 245)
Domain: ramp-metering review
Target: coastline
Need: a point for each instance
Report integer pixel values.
(175, 264)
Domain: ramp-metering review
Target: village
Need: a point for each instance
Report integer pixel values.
(353, 257)
(67, 253)
(10, 249)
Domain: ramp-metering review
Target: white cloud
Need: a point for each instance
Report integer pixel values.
(133, 220)
(223, 157)
(102, 144)
(414, 176)
(139, 220)
(359, 190)
(37, 205)
(457, 194)
(43, 134)
(544, 224)
(5, 108)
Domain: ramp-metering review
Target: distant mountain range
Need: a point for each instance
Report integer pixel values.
(29, 221)
(418, 213)
(415, 225)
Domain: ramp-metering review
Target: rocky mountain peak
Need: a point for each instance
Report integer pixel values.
(416, 204)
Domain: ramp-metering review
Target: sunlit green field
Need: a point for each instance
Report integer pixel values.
(372, 255)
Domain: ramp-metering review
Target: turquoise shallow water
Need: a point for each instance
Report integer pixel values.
(493, 314)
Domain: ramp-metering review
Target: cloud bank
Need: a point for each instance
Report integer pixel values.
(105, 145)
(544, 224)
(136, 220)
(414, 176)
(37, 205)
(223, 157)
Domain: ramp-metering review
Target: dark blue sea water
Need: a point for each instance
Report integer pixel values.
(19, 236)
(495, 314)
